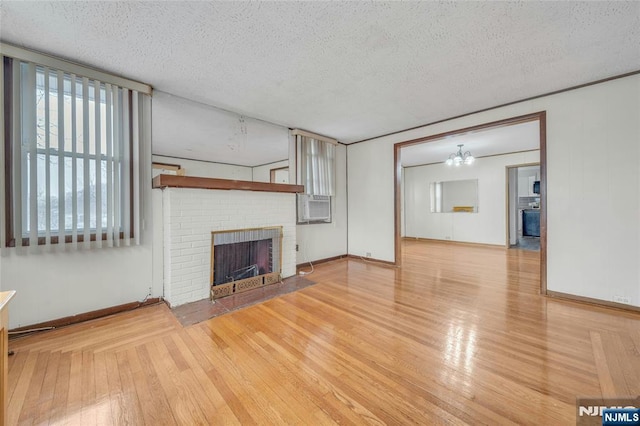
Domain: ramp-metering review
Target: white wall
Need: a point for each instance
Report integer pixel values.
(207, 169)
(487, 226)
(325, 240)
(371, 207)
(52, 285)
(593, 192)
(263, 173)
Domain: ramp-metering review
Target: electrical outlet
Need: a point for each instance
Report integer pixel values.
(297, 247)
(368, 254)
(447, 237)
(622, 299)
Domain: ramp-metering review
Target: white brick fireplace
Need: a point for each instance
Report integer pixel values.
(189, 217)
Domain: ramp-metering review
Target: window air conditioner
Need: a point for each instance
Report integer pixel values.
(313, 208)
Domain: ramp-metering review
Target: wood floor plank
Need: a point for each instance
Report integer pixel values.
(45, 399)
(259, 407)
(181, 401)
(89, 414)
(31, 400)
(262, 376)
(160, 413)
(116, 393)
(607, 387)
(623, 364)
(416, 372)
(129, 409)
(61, 390)
(363, 369)
(231, 399)
(324, 393)
(18, 397)
(427, 343)
(74, 396)
(214, 405)
(103, 407)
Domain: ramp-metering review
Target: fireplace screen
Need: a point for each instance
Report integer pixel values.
(237, 261)
(244, 259)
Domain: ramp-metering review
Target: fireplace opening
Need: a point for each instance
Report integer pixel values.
(244, 259)
(237, 261)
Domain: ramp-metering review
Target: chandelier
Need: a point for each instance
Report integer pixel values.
(459, 158)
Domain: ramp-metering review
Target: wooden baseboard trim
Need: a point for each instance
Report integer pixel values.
(371, 260)
(319, 261)
(74, 319)
(462, 243)
(592, 301)
(345, 256)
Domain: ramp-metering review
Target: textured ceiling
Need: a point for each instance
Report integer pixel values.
(349, 70)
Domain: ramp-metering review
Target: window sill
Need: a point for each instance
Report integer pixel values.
(55, 239)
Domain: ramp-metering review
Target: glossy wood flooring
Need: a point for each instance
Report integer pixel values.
(457, 335)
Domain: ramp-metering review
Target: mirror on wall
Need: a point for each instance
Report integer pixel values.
(454, 196)
(206, 141)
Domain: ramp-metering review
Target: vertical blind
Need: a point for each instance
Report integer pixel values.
(73, 166)
(316, 165)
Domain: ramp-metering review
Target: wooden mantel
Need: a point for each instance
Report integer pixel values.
(172, 181)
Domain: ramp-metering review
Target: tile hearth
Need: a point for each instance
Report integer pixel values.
(202, 310)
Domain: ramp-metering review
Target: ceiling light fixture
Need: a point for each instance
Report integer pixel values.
(459, 158)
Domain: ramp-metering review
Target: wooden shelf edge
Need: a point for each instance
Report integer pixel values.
(5, 297)
(171, 181)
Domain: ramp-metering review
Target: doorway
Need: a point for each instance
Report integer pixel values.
(523, 207)
(540, 118)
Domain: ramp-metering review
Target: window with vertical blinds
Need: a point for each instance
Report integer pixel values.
(316, 165)
(71, 158)
(316, 171)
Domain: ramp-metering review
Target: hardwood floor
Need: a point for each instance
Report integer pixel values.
(458, 335)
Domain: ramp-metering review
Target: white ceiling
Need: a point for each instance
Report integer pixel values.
(348, 70)
(495, 141)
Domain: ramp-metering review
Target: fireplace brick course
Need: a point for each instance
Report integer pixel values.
(189, 217)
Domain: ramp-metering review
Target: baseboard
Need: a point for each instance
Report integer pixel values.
(371, 259)
(461, 243)
(74, 319)
(592, 301)
(345, 256)
(319, 261)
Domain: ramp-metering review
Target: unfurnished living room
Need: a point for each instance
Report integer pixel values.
(320, 213)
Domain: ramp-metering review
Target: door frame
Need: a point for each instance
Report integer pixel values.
(541, 117)
(509, 200)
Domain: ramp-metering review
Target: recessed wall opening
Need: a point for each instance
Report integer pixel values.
(421, 165)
